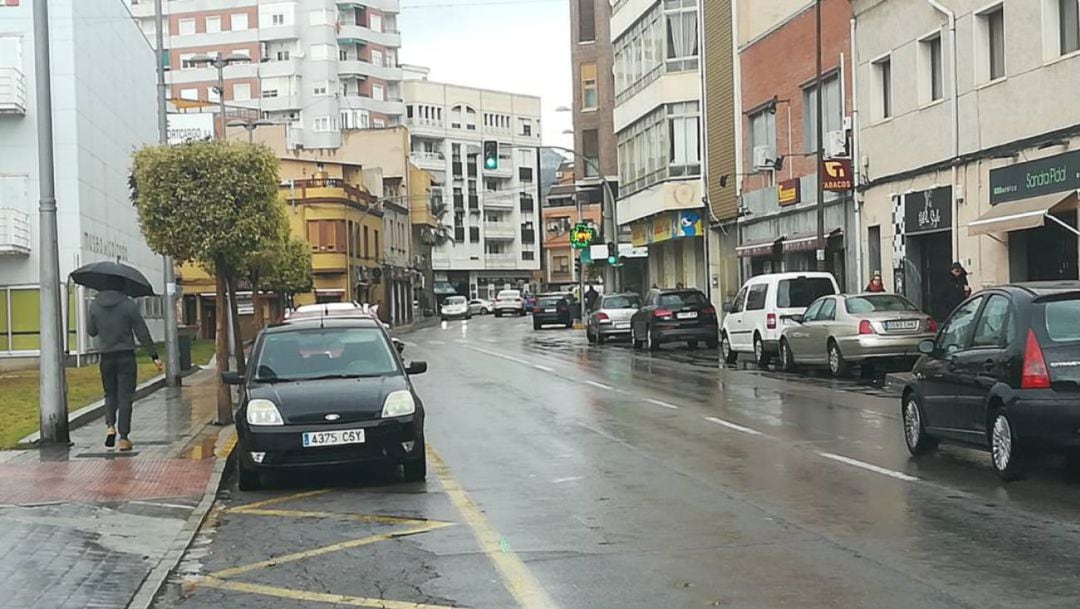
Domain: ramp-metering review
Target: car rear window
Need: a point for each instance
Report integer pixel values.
(681, 299)
(509, 295)
(882, 302)
(801, 291)
(548, 302)
(1062, 320)
(621, 302)
(321, 352)
(455, 300)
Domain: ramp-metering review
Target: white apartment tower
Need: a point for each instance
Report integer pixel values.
(493, 213)
(319, 66)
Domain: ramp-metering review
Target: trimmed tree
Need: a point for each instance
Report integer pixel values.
(213, 203)
(283, 267)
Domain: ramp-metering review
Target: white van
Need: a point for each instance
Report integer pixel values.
(762, 307)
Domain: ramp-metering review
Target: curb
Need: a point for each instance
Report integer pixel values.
(157, 578)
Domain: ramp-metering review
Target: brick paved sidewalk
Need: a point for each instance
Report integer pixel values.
(84, 526)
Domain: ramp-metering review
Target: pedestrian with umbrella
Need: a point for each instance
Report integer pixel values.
(116, 321)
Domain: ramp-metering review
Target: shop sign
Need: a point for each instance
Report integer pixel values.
(837, 174)
(190, 127)
(639, 233)
(666, 226)
(789, 192)
(1059, 173)
(928, 211)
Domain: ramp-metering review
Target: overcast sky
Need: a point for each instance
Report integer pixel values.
(521, 46)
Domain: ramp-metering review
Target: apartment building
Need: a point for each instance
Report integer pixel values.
(101, 67)
(493, 212)
(560, 214)
(968, 127)
(320, 66)
(657, 124)
(777, 227)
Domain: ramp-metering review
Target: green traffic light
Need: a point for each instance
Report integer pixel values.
(491, 164)
(612, 260)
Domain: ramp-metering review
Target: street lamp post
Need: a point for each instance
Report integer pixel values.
(821, 266)
(250, 126)
(172, 353)
(220, 64)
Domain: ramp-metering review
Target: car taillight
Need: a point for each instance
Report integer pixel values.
(662, 314)
(865, 327)
(770, 321)
(563, 307)
(708, 311)
(602, 317)
(1033, 375)
(536, 309)
(931, 325)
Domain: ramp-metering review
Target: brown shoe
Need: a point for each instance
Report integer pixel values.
(110, 437)
(124, 445)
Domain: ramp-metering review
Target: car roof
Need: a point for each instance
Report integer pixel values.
(623, 294)
(1044, 288)
(790, 275)
(309, 323)
(677, 291)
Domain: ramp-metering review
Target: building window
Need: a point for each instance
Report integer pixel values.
(526, 126)
(762, 132)
(186, 27)
(684, 157)
(1069, 28)
(832, 110)
(590, 98)
(378, 123)
(277, 19)
(883, 89)
(189, 94)
(241, 91)
(470, 119)
(213, 25)
(586, 21)
(322, 123)
(639, 54)
(682, 34)
(185, 61)
(282, 55)
(931, 73)
(378, 92)
(643, 151)
(363, 119)
(321, 87)
(990, 37)
(238, 22)
(376, 57)
(590, 149)
(375, 23)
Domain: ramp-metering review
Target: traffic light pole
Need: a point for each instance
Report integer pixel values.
(581, 265)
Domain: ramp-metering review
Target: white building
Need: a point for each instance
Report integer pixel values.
(658, 129)
(321, 66)
(494, 213)
(103, 89)
(968, 145)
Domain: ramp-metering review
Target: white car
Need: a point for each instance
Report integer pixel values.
(455, 307)
(509, 302)
(764, 306)
(479, 306)
(334, 309)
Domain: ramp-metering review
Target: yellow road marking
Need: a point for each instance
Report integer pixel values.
(277, 500)
(304, 595)
(515, 575)
(227, 447)
(337, 547)
(374, 518)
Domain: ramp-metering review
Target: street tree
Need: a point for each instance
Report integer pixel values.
(212, 203)
(283, 268)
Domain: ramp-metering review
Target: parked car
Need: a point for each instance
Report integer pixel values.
(479, 306)
(551, 309)
(509, 302)
(455, 307)
(1003, 373)
(754, 319)
(327, 392)
(854, 329)
(679, 315)
(611, 317)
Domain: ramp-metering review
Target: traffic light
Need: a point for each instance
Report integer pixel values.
(491, 155)
(612, 253)
(577, 266)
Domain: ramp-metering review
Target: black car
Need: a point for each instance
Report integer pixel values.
(1003, 373)
(551, 309)
(327, 392)
(679, 315)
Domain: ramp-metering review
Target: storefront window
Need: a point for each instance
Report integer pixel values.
(24, 320)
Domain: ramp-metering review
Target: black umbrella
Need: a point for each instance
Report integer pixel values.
(109, 275)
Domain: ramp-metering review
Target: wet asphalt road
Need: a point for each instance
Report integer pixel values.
(569, 476)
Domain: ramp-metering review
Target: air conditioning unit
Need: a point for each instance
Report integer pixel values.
(835, 144)
(763, 157)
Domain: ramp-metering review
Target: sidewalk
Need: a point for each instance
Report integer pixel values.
(87, 526)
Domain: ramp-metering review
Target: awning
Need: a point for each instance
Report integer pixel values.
(760, 247)
(808, 242)
(1023, 214)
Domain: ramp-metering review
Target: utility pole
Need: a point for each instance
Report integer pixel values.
(172, 350)
(821, 266)
(52, 403)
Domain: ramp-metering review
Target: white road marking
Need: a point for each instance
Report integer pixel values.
(869, 467)
(599, 385)
(436, 342)
(165, 505)
(409, 343)
(544, 368)
(662, 404)
(497, 354)
(570, 479)
(734, 426)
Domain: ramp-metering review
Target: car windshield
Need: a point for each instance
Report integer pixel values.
(455, 300)
(1062, 320)
(324, 352)
(621, 302)
(878, 302)
(801, 291)
(681, 299)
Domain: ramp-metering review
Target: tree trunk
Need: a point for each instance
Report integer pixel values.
(241, 363)
(221, 350)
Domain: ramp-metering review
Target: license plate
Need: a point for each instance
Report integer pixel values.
(333, 438)
(687, 315)
(902, 325)
(625, 326)
(549, 310)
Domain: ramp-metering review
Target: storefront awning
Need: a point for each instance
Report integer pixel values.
(1023, 214)
(808, 242)
(760, 247)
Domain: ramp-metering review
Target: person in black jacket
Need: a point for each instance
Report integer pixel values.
(954, 291)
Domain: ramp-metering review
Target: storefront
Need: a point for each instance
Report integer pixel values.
(922, 245)
(676, 245)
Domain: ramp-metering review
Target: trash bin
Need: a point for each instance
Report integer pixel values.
(185, 336)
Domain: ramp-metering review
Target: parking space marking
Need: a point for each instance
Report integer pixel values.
(734, 426)
(276, 500)
(662, 404)
(869, 467)
(320, 597)
(373, 518)
(517, 578)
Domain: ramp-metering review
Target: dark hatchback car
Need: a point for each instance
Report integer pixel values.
(1003, 373)
(327, 392)
(679, 315)
(551, 309)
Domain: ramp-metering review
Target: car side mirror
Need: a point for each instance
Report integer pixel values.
(416, 368)
(232, 378)
(727, 307)
(797, 318)
(398, 344)
(926, 347)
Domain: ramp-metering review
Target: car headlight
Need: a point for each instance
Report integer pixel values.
(263, 412)
(399, 404)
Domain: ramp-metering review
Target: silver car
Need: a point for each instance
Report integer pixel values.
(611, 317)
(854, 328)
(479, 306)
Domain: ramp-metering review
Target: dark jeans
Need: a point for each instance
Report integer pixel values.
(119, 372)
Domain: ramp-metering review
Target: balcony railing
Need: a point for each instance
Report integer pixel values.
(500, 261)
(351, 191)
(500, 231)
(12, 91)
(14, 232)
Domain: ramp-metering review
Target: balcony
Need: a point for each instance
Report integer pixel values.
(280, 102)
(328, 262)
(386, 6)
(12, 91)
(499, 231)
(279, 69)
(500, 261)
(417, 122)
(14, 232)
(390, 106)
(495, 199)
(350, 33)
(279, 32)
(428, 160)
(361, 68)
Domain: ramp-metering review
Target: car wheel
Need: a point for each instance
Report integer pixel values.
(247, 478)
(760, 356)
(787, 358)
(600, 339)
(838, 366)
(536, 325)
(730, 357)
(691, 344)
(590, 336)
(634, 339)
(918, 443)
(498, 314)
(484, 311)
(1004, 453)
(415, 471)
(651, 341)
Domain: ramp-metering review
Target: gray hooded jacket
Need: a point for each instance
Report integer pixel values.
(116, 321)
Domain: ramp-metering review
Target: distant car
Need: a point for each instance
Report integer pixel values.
(455, 307)
(761, 308)
(611, 317)
(551, 309)
(679, 315)
(334, 309)
(327, 392)
(842, 330)
(1003, 373)
(479, 306)
(509, 302)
